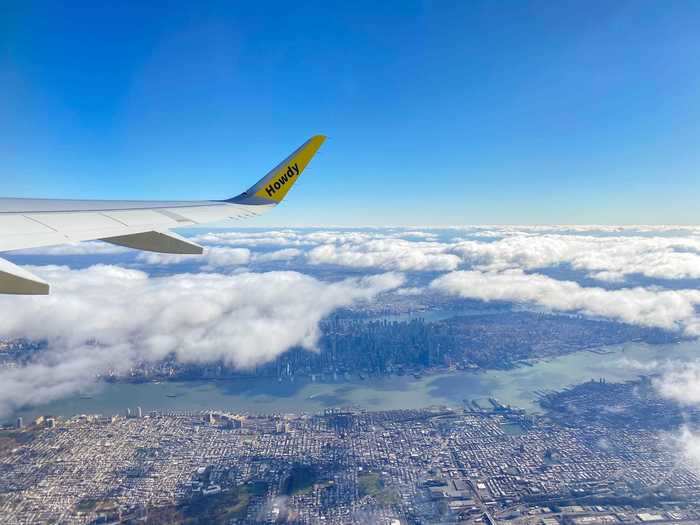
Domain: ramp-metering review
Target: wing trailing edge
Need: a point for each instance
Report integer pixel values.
(18, 281)
(157, 241)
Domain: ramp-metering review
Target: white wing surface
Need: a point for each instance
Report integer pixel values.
(144, 225)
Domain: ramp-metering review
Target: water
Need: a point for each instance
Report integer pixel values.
(516, 387)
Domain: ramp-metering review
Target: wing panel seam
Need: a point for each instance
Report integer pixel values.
(43, 224)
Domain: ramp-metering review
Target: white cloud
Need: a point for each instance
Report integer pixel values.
(285, 254)
(425, 235)
(503, 230)
(387, 254)
(217, 257)
(106, 317)
(253, 239)
(213, 257)
(669, 309)
(688, 442)
(603, 257)
(605, 253)
(680, 382)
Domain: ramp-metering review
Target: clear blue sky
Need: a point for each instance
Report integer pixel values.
(437, 112)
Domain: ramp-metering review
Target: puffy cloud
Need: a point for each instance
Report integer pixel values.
(603, 257)
(380, 249)
(216, 257)
(668, 309)
(213, 257)
(519, 229)
(689, 443)
(107, 318)
(426, 235)
(605, 253)
(683, 385)
(252, 238)
(286, 254)
(680, 382)
(387, 254)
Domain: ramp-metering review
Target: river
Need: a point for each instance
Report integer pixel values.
(267, 395)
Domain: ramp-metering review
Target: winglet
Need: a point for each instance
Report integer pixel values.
(273, 187)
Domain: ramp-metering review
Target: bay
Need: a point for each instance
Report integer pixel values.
(517, 387)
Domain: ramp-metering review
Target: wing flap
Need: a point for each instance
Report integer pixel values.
(157, 241)
(16, 280)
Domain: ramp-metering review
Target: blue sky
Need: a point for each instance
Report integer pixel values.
(437, 112)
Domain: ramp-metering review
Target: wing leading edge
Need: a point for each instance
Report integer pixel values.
(143, 225)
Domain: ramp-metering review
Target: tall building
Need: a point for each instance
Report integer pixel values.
(139, 414)
(20, 422)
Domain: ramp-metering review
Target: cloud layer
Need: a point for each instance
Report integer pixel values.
(489, 263)
(605, 258)
(386, 254)
(607, 254)
(107, 318)
(680, 382)
(213, 257)
(668, 309)
(603, 253)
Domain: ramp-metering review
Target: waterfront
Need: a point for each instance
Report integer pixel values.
(516, 387)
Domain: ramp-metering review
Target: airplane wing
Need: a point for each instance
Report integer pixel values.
(143, 225)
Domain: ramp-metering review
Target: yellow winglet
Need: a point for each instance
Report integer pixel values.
(273, 187)
(280, 180)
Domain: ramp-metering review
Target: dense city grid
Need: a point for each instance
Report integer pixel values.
(435, 465)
